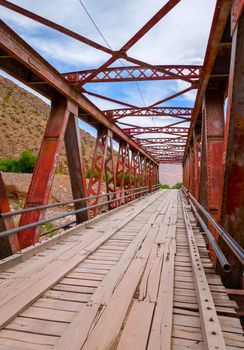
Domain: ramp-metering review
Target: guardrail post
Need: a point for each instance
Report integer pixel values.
(75, 162)
(232, 217)
(43, 175)
(8, 245)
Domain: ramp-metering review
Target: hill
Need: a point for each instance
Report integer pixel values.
(23, 117)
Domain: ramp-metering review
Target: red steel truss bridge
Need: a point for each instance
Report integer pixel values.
(127, 265)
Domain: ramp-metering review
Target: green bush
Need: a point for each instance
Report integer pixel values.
(24, 164)
(164, 186)
(88, 174)
(127, 179)
(178, 186)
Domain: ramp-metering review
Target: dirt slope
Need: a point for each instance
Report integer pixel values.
(23, 118)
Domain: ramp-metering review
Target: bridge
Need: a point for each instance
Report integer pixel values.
(132, 266)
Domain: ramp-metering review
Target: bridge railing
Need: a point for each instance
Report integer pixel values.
(118, 197)
(237, 250)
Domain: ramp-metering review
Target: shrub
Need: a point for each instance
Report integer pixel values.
(88, 174)
(178, 186)
(27, 162)
(164, 186)
(127, 179)
(24, 164)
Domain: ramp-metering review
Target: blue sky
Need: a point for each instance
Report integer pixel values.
(179, 38)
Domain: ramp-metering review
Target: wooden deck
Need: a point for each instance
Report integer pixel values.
(136, 278)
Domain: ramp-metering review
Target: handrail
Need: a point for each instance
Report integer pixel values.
(231, 243)
(71, 201)
(219, 254)
(65, 214)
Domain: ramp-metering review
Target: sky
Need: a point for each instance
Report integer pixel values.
(179, 38)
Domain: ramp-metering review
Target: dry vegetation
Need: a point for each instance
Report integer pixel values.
(23, 118)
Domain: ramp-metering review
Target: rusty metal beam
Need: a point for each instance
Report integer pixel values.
(43, 175)
(76, 164)
(136, 73)
(8, 245)
(232, 218)
(162, 140)
(222, 11)
(152, 130)
(174, 112)
(136, 37)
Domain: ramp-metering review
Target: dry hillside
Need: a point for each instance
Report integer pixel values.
(23, 117)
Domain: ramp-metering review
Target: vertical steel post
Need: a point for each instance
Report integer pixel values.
(8, 245)
(203, 187)
(43, 175)
(191, 169)
(75, 162)
(98, 166)
(196, 165)
(121, 168)
(214, 136)
(110, 175)
(232, 217)
(212, 140)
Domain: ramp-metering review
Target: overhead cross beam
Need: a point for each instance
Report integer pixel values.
(156, 130)
(161, 140)
(149, 112)
(136, 73)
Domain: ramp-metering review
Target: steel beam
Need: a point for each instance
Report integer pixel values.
(213, 112)
(75, 163)
(152, 130)
(222, 11)
(149, 112)
(162, 140)
(136, 73)
(98, 166)
(232, 218)
(43, 175)
(8, 245)
(123, 170)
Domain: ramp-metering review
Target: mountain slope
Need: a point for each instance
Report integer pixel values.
(23, 118)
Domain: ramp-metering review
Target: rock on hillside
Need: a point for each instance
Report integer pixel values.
(23, 118)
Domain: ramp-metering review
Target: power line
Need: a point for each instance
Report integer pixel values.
(106, 42)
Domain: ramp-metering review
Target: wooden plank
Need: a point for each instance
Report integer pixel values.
(15, 300)
(69, 296)
(75, 289)
(137, 328)
(80, 282)
(55, 304)
(32, 325)
(161, 331)
(130, 267)
(48, 314)
(26, 340)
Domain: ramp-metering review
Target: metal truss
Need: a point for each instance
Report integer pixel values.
(161, 140)
(150, 112)
(136, 73)
(156, 130)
